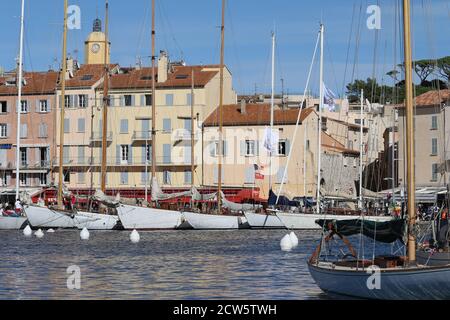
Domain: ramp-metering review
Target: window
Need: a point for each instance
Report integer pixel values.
(434, 147)
(169, 99)
(434, 122)
(434, 172)
(148, 100)
(166, 177)
(3, 107)
(128, 100)
(82, 101)
(167, 125)
(124, 177)
(188, 177)
(43, 130)
(148, 153)
(4, 179)
(250, 148)
(67, 101)
(23, 130)
(124, 152)
(3, 130)
(282, 148)
(216, 148)
(42, 179)
(43, 106)
(81, 125)
(181, 76)
(66, 174)
(23, 179)
(24, 106)
(124, 126)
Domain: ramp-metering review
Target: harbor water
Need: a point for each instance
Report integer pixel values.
(241, 264)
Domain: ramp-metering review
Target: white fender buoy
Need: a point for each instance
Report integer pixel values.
(27, 231)
(286, 243)
(84, 234)
(294, 239)
(39, 233)
(50, 231)
(134, 236)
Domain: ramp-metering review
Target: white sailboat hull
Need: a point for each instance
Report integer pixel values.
(95, 221)
(140, 218)
(263, 221)
(306, 221)
(42, 217)
(202, 221)
(12, 223)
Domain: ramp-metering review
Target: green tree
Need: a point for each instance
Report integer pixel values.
(443, 67)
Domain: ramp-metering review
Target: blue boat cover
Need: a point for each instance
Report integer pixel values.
(386, 232)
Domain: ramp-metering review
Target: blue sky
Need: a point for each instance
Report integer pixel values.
(189, 30)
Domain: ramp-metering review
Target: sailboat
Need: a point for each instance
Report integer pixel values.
(208, 221)
(146, 218)
(395, 277)
(45, 217)
(15, 222)
(305, 220)
(267, 220)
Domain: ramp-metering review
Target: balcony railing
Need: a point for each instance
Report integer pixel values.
(184, 135)
(98, 137)
(141, 136)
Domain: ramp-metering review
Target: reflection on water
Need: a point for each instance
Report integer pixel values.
(244, 264)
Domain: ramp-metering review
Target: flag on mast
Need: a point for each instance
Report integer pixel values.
(271, 138)
(258, 174)
(328, 98)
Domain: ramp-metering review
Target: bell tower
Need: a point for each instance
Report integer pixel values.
(95, 45)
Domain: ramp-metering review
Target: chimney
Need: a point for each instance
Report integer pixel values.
(163, 66)
(70, 68)
(243, 106)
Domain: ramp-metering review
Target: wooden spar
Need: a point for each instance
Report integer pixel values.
(409, 108)
(319, 126)
(192, 130)
(220, 151)
(105, 104)
(153, 97)
(63, 103)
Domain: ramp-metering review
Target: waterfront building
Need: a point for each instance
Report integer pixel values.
(37, 138)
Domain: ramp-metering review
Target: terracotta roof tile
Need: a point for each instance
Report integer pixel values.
(431, 98)
(180, 77)
(36, 83)
(87, 75)
(256, 114)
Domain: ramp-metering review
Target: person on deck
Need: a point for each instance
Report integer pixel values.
(443, 230)
(18, 207)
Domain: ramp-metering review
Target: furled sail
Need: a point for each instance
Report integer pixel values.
(158, 194)
(238, 206)
(197, 196)
(386, 232)
(106, 200)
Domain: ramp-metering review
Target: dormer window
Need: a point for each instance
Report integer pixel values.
(146, 78)
(87, 77)
(181, 76)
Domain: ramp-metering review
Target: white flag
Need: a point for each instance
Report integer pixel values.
(328, 98)
(271, 138)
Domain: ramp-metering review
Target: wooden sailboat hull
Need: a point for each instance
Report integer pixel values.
(43, 217)
(140, 218)
(412, 283)
(12, 223)
(307, 221)
(96, 221)
(263, 221)
(202, 221)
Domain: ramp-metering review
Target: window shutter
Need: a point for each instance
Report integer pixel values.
(122, 101)
(167, 153)
(81, 125)
(117, 154)
(8, 130)
(66, 125)
(144, 156)
(250, 175)
(133, 101)
(38, 109)
(143, 100)
(28, 156)
(17, 106)
(212, 149)
(243, 148)
(41, 129)
(288, 147)
(257, 147)
(49, 105)
(225, 148)
(8, 107)
(37, 158)
(130, 154)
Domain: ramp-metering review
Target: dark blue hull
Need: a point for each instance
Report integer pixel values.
(413, 283)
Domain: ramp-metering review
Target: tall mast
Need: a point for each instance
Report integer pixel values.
(19, 98)
(409, 132)
(153, 96)
(192, 130)
(105, 103)
(63, 105)
(319, 130)
(360, 204)
(220, 153)
(272, 97)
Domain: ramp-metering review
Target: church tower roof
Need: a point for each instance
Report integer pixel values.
(97, 26)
